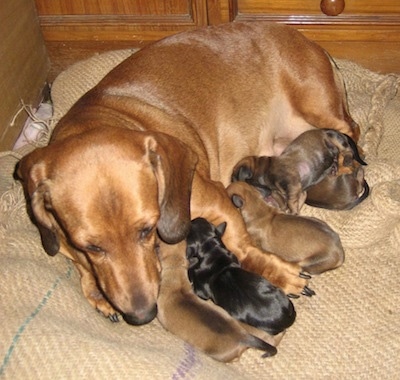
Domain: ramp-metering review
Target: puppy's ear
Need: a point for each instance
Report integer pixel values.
(36, 186)
(241, 173)
(173, 163)
(221, 228)
(253, 170)
(237, 201)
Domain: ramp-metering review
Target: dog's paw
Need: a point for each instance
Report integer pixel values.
(97, 300)
(288, 277)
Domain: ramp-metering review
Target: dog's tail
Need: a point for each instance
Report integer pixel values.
(255, 342)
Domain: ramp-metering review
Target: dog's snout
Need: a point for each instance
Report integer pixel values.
(140, 317)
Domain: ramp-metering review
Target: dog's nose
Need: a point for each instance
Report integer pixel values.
(140, 317)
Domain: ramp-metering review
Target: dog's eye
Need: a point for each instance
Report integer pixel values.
(144, 232)
(94, 248)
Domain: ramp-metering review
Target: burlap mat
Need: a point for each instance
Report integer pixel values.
(350, 330)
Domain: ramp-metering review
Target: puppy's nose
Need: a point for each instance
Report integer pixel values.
(140, 317)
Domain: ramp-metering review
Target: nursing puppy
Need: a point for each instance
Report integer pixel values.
(342, 192)
(216, 274)
(305, 162)
(307, 241)
(198, 322)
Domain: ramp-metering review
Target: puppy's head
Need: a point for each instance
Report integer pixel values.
(342, 192)
(203, 251)
(252, 169)
(254, 200)
(100, 199)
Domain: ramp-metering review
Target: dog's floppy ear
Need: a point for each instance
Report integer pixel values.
(36, 186)
(173, 163)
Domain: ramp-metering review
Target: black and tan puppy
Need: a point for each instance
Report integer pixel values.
(339, 192)
(308, 241)
(216, 274)
(305, 162)
(198, 322)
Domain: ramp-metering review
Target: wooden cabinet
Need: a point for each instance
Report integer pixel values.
(75, 29)
(365, 31)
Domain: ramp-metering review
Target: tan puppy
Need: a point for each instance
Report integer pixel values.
(305, 162)
(198, 322)
(307, 241)
(153, 146)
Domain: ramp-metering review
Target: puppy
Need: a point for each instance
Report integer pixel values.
(307, 241)
(198, 322)
(305, 162)
(342, 192)
(216, 274)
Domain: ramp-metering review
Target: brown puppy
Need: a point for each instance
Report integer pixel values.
(154, 143)
(307, 241)
(305, 162)
(198, 322)
(339, 192)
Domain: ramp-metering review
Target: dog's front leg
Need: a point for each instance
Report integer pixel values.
(94, 295)
(210, 201)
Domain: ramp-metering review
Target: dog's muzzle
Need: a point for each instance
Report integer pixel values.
(140, 318)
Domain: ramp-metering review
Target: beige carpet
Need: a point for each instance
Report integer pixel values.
(350, 330)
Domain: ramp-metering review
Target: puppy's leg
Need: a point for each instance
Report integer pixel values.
(273, 340)
(94, 295)
(211, 201)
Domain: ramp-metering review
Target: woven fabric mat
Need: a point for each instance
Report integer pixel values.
(349, 330)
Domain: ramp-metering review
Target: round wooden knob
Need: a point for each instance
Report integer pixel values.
(332, 7)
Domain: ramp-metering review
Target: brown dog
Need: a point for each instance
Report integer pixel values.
(305, 162)
(307, 241)
(198, 322)
(154, 143)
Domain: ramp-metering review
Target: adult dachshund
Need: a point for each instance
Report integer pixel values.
(154, 143)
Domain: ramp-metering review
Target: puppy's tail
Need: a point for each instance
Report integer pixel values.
(254, 342)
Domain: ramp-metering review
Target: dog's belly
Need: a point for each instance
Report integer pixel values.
(264, 133)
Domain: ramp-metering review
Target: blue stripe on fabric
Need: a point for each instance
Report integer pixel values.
(187, 363)
(29, 319)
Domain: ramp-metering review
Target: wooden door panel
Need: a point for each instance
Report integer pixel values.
(107, 7)
(76, 29)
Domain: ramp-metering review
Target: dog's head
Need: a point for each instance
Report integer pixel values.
(339, 192)
(101, 197)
